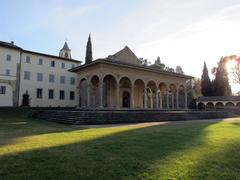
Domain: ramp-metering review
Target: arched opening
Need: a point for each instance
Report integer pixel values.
(95, 92)
(83, 94)
(238, 106)
(172, 96)
(125, 92)
(181, 97)
(201, 106)
(163, 96)
(151, 94)
(109, 91)
(229, 105)
(209, 106)
(139, 93)
(6, 95)
(219, 106)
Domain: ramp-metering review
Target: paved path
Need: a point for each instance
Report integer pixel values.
(146, 124)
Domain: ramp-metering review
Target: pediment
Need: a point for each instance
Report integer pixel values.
(126, 56)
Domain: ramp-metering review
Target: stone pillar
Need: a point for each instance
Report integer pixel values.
(167, 100)
(101, 94)
(173, 100)
(157, 100)
(160, 97)
(145, 98)
(88, 95)
(185, 92)
(177, 98)
(117, 94)
(132, 96)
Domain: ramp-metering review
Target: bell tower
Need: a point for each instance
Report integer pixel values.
(65, 52)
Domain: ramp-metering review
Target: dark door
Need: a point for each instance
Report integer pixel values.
(126, 100)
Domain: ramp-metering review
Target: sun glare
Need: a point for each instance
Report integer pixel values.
(230, 65)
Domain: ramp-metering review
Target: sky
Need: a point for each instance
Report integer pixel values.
(185, 33)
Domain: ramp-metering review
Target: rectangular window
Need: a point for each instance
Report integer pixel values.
(27, 75)
(2, 89)
(63, 65)
(8, 57)
(39, 93)
(50, 94)
(62, 79)
(72, 80)
(28, 60)
(7, 73)
(62, 95)
(51, 78)
(72, 95)
(73, 66)
(39, 76)
(52, 63)
(40, 61)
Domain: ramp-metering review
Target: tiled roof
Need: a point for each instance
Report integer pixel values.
(118, 63)
(9, 45)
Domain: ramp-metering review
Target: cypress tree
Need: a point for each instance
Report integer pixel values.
(88, 58)
(206, 83)
(221, 81)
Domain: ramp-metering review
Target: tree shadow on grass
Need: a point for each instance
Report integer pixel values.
(16, 124)
(130, 154)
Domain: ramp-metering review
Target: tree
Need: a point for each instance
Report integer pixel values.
(221, 83)
(179, 70)
(88, 58)
(206, 84)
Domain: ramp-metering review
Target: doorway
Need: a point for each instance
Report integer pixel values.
(126, 99)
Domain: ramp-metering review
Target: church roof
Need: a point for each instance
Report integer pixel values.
(125, 55)
(65, 47)
(129, 65)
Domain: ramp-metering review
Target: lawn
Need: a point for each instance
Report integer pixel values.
(34, 149)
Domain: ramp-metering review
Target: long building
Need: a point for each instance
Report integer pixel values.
(44, 78)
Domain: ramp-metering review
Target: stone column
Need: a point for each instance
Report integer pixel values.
(145, 98)
(177, 98)
(185, 92)
(101, 94)
(88, 95)
(172, 100)
(132, 96)
(117, 91)
(160, 97)
(157, 100)
(167, 100)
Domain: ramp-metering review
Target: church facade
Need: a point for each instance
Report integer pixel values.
(121, 81)
(118, 81)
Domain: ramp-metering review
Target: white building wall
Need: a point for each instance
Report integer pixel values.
(6, 100)
(11, 65)
(31, 85)
(8, 80)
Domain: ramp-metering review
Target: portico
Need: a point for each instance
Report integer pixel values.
(112, 83)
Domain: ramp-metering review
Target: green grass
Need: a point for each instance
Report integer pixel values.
(33, 149)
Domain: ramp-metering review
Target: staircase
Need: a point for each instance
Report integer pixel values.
(83, 117)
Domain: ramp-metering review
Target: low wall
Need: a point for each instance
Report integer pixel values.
(125, 116)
